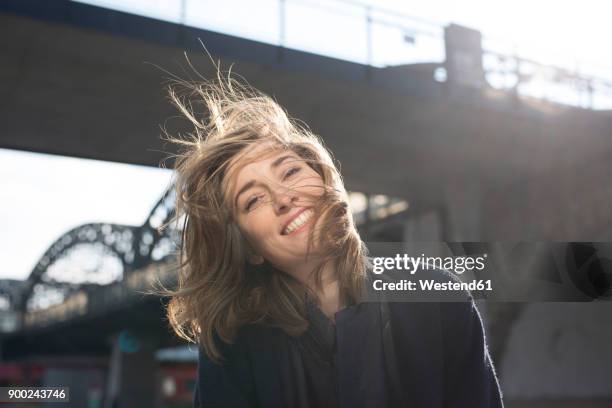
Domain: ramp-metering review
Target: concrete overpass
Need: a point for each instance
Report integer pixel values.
(77, 84)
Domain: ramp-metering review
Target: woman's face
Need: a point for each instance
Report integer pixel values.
(272, 198)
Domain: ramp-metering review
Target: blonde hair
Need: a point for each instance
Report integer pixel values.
(218, 292)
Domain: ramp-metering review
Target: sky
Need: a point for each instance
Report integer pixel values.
(44, 196)
(548, 30)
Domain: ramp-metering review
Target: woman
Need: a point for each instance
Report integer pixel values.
(275, 281)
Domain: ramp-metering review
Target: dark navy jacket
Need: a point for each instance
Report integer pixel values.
(389, 354)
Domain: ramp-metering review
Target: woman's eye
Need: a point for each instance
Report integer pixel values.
(291, 172)
(288, 174)
(251, 202)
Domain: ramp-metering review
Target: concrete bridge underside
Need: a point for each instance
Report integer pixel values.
(499, 167)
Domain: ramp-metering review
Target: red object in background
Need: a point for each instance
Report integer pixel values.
(177, 381)
(178, 378)
(20, 374)
(11, 372)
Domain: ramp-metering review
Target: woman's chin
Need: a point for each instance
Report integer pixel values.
(298, 249)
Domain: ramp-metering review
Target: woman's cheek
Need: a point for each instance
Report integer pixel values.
(260, 225)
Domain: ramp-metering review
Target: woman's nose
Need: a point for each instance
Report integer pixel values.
(284, 200)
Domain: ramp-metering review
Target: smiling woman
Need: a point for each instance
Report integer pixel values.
(267, 220)
(274, 276)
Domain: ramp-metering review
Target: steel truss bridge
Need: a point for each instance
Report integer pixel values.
(94, 280)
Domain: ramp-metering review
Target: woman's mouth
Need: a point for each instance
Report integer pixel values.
(299, 222)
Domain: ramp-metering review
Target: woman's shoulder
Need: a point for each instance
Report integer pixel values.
(437, 305)
(250, 342)
(253, 334)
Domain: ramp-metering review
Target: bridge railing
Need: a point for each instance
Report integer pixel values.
(373, 36)
(527, 77)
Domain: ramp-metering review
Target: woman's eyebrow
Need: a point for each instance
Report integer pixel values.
(252, 183)
(244, 188)
(278, 161)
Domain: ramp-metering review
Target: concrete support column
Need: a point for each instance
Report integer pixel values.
(426, 226)
(111, 393)
(463, 208)
(422, 233)
(133, 371)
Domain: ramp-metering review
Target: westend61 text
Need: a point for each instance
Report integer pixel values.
(430, 284)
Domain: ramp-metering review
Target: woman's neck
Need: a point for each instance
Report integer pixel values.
(330, 300)
(328, 293)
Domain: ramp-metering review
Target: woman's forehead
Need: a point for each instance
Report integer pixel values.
(255, 152)
(252, 155)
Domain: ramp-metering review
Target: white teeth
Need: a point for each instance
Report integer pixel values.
(298, 222)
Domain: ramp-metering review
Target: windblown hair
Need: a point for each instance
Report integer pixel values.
(218, 291)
